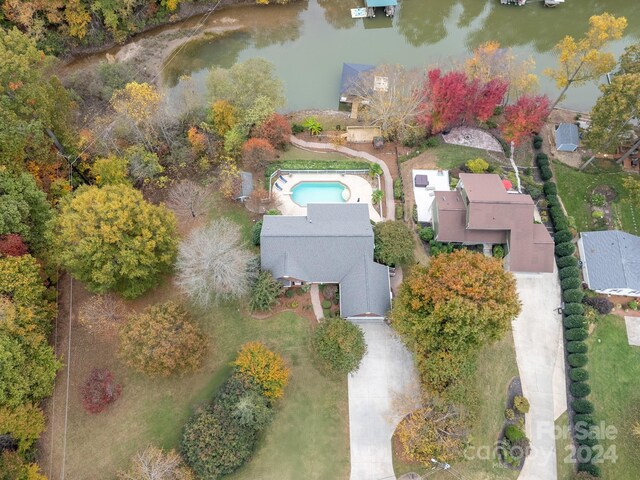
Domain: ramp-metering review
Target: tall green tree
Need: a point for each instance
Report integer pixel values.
(393, 243)
(24, 209)
(35, 109)
(112, 239)
(583, 60)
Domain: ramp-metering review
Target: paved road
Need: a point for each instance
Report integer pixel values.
(537, 334)
(386, 369)
(386, 177)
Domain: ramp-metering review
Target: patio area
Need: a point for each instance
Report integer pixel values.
(425, 183)
(358, 189)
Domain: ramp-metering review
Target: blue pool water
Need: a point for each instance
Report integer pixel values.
(317, 192)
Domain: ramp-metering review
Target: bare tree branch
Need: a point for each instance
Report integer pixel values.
(188, 200)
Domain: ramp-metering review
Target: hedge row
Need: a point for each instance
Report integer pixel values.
(574, 322)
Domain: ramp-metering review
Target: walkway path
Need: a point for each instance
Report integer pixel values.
(316, 302)
(386, 370)
(388, 180)
(537, 334)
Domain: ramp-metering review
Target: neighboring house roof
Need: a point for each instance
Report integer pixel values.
(567, 137)
(246, 185)
(333, 243)
(380, 3)
(612, 259)
(350, 73)
(480, 210)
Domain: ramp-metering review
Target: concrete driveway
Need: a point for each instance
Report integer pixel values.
(386, 370)
(537, 334)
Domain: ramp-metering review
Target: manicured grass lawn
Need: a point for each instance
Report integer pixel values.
(496, 366)
(452, 156)
(566, 470)
(576, 188)
(295, 153)
(307, 439)
(614, 369)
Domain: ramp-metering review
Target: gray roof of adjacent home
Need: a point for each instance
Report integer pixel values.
(333, 243)
(247, 184)
(567, 137)
(350, 73)
(612, 259)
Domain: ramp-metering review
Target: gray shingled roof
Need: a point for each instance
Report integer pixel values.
(333, 243)
(567, 137)
(247, 184)
(612, 259)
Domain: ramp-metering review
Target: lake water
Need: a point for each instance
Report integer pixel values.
(308, 41)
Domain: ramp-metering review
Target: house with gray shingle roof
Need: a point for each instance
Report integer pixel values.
(611, 262)
(332, 243)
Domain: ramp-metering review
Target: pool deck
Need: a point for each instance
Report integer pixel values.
(359, 188)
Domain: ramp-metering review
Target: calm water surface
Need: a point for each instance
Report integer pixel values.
(308, 41)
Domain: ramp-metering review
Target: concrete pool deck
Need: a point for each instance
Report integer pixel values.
(359, 188)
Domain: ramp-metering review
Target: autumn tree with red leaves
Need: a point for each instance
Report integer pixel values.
(257, 153)
(453, 99)
(524, 118)
(11, 245)
(100, 390)
(276, 130)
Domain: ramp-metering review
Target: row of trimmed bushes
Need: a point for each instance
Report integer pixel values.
(575, 325)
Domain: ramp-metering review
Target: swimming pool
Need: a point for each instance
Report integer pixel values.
(319, 192)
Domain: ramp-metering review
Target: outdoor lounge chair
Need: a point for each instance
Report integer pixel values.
(282, 178)
(278, 186)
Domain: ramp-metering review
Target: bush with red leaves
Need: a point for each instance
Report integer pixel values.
(12, 245)
(276, 130)
(601, 304)
(99, 390)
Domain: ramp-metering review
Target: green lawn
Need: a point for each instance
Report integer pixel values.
(496, 366)
(576, 187)
(564, 444)
(614, 368)
(452, 156)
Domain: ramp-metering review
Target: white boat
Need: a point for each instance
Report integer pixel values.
(552, 3)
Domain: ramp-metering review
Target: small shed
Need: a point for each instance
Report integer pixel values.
(567, 137)
(246, 186)
(350, 74)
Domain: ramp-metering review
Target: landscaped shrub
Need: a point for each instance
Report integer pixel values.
(601, 304)
(399, 211)
(521, 404)
(573, 295)
(545, 173)
(578, 374)
(577, 360)
(498, 251)
(591, 468)
(330, 291)
(99, 391)
(265, 292)
(514, 433)
(565, 249)
(568, 261)
(584, 418)
(478, 165)
(562, 236)
(326, 304)
(633, 305)
(509, 414)
(568, 272)
(557, 214)
(560, 223)
(550, 188)
(575, 321)
(570, 283)
(214, 444)
(397, 189)
(541, 156)
(537, 142)
(255, 233)
(573, 309)
(587, 441)
(296, 128)
(393, 243)
(576, 334)
(340, 345)
(426, 234)
(552, 200)
(264, 367)
(580, 389)
(582, 405)
(576, 346)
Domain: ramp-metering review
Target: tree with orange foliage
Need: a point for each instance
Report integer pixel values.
(257, 153)
(446, 311)
(276, 130)
(524, 118)
(264, 367)
(197, 140)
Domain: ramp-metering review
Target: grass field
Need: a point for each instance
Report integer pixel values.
(614, 368)
(566, 470)
(576, 188)
(496, 367)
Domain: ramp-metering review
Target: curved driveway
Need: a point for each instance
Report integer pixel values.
(386, 177)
